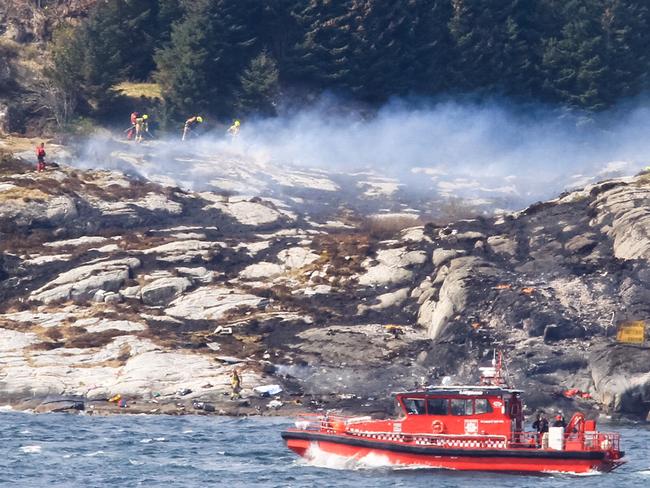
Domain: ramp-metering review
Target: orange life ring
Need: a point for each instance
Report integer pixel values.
(437, 427)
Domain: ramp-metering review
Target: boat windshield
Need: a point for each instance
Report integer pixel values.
(414, 406)
(437, 406)
(461, 406)
(482, 405)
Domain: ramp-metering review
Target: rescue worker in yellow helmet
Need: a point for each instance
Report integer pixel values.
(190, 125)
(233, 130)
(141, 126)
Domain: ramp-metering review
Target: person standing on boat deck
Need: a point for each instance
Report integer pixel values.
(559, 421)
(235, 382)
(541, 424)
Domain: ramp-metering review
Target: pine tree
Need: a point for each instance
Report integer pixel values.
(259, 86)
(575, 71)
(403, 47)
(498, 45)
(324, 57)
(209, 49)
(626, 37)
(62, 92)
(168, 12)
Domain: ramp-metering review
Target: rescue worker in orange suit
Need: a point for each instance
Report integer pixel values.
(40, 156)
(190, 125)
(131, 130)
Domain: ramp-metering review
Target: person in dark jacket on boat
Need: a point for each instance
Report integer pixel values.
(541, 424)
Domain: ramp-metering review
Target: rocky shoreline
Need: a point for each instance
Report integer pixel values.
(113, 284)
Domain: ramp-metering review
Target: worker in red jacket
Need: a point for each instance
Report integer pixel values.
(130, 132)
(40, 156)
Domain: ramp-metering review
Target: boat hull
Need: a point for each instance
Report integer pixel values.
(406, 454)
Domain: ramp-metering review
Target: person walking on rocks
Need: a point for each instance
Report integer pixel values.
(235, 382)
(40, 156)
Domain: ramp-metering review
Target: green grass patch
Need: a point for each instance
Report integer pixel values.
(138, 90)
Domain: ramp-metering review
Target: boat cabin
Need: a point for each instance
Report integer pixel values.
(462, 410)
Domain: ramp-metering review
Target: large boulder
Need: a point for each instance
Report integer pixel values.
(84, 282)
(621, 378)
(164, 290)
(212, 303)
(392, 267)
(623, 214)
(454, 293)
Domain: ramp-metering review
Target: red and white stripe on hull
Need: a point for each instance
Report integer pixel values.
(400, 454)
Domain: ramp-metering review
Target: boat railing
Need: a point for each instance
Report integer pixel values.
(578, 441)
(477, 441)
(328, 422)
(573, 441)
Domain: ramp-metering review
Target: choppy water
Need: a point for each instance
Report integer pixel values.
(58, 450)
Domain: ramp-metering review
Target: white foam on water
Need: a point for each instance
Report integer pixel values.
(30, 449)
(570, 473)
(26, 431)
(6, 408)
(93, 454)
(160, 439)
(315, 456)
(145, 441)
(188, 431)
(644, 472)
(135, 462)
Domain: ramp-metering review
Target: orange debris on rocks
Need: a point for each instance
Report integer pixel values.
(503, 286)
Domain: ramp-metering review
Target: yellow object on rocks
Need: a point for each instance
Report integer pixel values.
(631, 332)
(115, 398)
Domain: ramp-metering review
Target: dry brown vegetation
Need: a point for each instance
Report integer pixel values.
(454, 209)
(25, 195)
(389, 226)
(9, 165)
(16, 242)
(643, 178)
(93, 339)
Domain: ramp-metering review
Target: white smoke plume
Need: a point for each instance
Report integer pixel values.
(450, 148)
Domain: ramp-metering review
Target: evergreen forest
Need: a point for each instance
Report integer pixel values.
(238, 57)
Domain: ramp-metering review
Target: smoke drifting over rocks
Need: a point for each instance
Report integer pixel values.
(525, 147)
(493, 153)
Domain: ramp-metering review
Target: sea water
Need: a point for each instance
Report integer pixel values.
(60, 450)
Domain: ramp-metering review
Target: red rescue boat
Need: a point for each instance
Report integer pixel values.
(463, 428)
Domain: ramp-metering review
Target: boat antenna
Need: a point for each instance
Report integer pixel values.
(495, 375)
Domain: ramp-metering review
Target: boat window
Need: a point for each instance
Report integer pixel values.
(414, 406)
(461, 407)
(482, 405)
(437, 406)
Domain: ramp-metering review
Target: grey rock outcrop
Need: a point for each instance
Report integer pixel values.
(82, 283)
(146, 288)
(164, 290)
